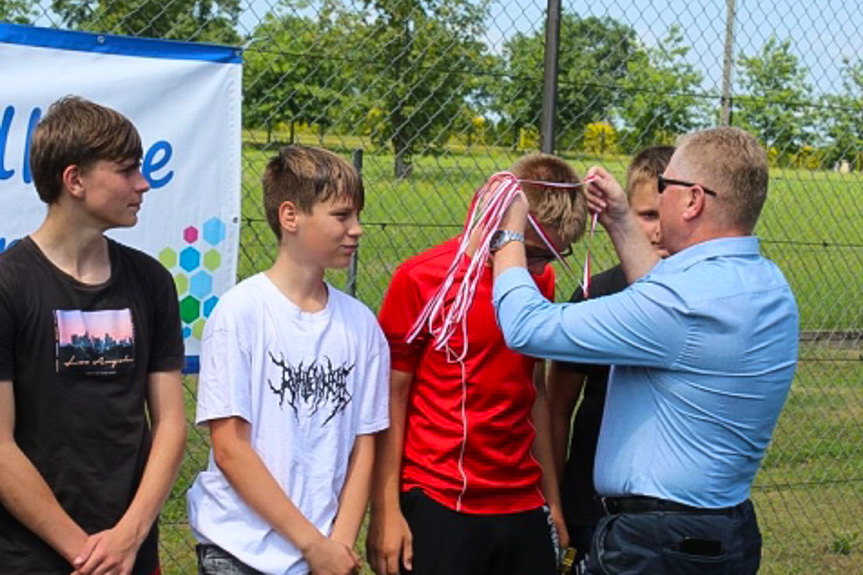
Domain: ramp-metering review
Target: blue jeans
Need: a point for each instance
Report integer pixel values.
(213, 560)
(677, 543)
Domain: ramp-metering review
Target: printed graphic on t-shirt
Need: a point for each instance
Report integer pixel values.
(94, 343)
(308, 388)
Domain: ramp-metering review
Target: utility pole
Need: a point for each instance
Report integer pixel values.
(549, 82)
(727, 65)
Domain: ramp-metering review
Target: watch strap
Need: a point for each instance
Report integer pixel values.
(502, 237)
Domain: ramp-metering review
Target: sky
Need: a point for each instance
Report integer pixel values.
(823, 32)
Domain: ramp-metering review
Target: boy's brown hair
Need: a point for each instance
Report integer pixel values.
(563, 209)
(78, 132)
(646, 166)
(305, 176)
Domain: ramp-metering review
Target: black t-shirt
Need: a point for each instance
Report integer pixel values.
(79, 356)
(578, 495)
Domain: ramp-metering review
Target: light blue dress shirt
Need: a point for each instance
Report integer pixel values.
(704, 348)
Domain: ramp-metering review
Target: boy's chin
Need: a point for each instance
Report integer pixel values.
(340, 263)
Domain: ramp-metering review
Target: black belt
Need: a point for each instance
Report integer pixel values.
(644, 504)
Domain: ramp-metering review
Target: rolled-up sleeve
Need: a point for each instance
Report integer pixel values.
(640, 326)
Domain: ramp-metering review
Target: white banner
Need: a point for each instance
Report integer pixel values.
(185, 99)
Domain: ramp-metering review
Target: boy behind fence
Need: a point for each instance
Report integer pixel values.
(293, 383)
(91, 407)
(582, 509)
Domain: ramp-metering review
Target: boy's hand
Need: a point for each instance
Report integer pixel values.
(112, 551)
(329, 557)
(389, 539)
(560, 526)
(605, 197)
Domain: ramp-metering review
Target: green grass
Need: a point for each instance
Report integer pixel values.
(809, 493)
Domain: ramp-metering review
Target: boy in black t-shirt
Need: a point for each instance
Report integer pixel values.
(581, 506)
(92, 427)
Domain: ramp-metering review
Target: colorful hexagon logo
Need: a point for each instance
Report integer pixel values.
(190, 309)
(201, 285)
(198, 328)
(190, 259)
(182, 283)
(190, 234)
(212, 259)
(168, 257)
(209, 305)
(214, 231)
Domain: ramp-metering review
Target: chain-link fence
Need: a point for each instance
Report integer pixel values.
(438, 95)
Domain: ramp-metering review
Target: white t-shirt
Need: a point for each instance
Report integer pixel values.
(308, 383)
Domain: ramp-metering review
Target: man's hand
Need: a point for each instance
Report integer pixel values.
(605, 196)
(329, 557)
(515, 218)
(389, 539)
(109, 552)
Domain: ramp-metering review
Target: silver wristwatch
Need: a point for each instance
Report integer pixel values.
(502, 237)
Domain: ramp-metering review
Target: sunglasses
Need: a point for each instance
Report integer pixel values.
(663, 182)
(541, 255)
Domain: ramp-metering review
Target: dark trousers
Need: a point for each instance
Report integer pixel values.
(447, 542)
(660, 542)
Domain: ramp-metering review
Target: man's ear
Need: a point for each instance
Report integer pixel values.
(72, 179)
(288, 216)
(694, 203)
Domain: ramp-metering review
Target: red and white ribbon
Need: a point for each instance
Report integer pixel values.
(442, 319)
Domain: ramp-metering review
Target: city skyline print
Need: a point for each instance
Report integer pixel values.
(95, 343)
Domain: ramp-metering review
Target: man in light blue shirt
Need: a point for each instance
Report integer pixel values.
(704, 347)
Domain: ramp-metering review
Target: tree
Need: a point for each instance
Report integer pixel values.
(593, 61)
(660, 99)
(293, 72)
(776, 102)
(842, 118)
(420, 61)
(199, 20)
(16, 11)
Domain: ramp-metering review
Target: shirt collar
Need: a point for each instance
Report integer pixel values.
(746, 246)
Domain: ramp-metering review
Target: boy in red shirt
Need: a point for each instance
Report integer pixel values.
(459, 485)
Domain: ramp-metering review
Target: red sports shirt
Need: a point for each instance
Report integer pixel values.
(469, 432)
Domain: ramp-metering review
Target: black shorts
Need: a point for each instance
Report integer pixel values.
(446, 542)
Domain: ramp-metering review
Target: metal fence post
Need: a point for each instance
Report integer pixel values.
(549, 82)
(351, 286)
(727, 64)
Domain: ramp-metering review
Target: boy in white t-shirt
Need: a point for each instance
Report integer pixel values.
(294, 380)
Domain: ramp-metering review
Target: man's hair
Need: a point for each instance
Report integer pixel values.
(646, 166)
(564, 209)
(78, 132)
(305, 176)
(734, 165)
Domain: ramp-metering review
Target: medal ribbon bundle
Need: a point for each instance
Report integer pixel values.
(487, 209)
